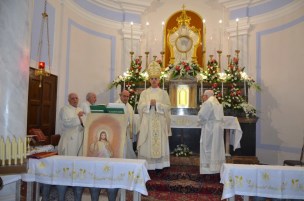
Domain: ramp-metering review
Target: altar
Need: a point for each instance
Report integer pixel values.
(186, 130)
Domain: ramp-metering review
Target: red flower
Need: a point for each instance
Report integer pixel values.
(214, 85)
(235, 60)
(177, 68)
(187, 68)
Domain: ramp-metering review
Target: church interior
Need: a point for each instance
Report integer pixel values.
(56, 47)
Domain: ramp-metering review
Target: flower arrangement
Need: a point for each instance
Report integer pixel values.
(182, 150)
(130, 78)
(183, 69)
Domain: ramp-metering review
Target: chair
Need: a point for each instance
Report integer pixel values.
(296, 162)
(41, 139)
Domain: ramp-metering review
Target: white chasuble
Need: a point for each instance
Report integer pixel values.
(212, 152)
(153, 142)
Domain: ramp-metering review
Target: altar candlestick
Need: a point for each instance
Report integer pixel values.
(124, 85)
(163, 42)
(220, 35)
(245, 93)
(147, 36)
(131, 36)
(222, 89)
(163, 82)
(237, 33)
(145, 83)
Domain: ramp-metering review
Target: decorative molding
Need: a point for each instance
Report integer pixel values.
(91, 17)
(284, 11)
(132, 6)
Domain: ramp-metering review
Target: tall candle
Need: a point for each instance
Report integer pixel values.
(8, 150)
(220, 35)
(145, 83)
(204, 28)
(163, 42)
(163, 82)
(237, 33)
(147, 36)
(131, 36)
(222, 89)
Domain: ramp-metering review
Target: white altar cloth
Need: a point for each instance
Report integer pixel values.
(89, 172)
(285, 182)
(191, 121)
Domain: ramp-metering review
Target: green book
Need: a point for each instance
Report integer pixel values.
(98, 108)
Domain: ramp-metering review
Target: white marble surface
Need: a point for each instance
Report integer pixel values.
(15, 32)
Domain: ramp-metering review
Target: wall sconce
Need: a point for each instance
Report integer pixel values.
(41, 71)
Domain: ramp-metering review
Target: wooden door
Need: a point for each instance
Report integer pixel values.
(42, 103)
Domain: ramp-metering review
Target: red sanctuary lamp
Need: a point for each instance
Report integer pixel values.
(41, 71)
(41, 65)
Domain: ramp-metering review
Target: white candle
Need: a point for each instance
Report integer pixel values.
(124, 85)
(2, 149)
(163, 33)
(131, 36)
(163, 82)
(145, 83)
(20, 150)
(220, 35)
(14, 151)
(8, 150)
(237, 33)
(24, 147)
(228, 39)
(147, 36)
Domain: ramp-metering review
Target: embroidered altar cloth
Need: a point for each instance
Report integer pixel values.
(263, 181)
(89, 172)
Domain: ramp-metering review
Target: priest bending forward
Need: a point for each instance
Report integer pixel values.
(154, 111)
(212, 153)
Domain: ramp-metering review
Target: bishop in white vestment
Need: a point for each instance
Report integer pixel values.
(154, 111)
(212, 152)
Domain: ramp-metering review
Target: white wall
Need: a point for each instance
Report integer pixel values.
(279, 67)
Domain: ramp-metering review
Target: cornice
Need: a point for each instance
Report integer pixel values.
(91, 17)
(132, 6)
(284, 11)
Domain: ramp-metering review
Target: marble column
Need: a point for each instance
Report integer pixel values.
(15, 41)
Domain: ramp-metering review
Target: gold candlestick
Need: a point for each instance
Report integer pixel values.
(147, 55)
(203, 59)
(228, 58)
(237, 53)
(219, 58)
(211, 56)
(162, 53)
(154, 58)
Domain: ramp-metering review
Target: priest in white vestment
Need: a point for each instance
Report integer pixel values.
(155, 116)
(90, 100)
(71, 138)
(129, 112)
(212, 152)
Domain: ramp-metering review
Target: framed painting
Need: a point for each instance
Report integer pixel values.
(112, 126)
